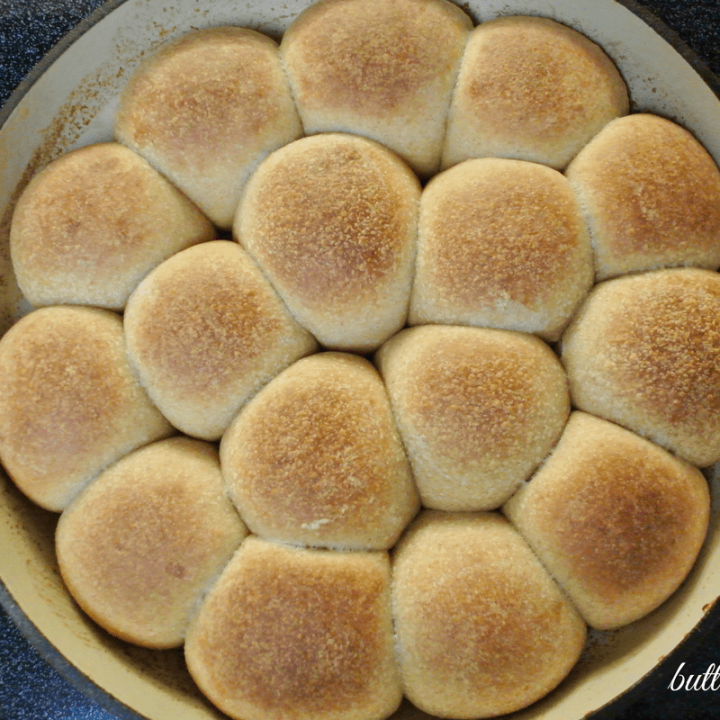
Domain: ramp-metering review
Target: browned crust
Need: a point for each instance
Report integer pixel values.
(618, 520)
(475, 407)
(197, 96)
(205, 330)
(332, 220)
(643, 352)
(295, 633)
(93, 223)
(652, 193)
(533, 89)
(69, 403)
(139, 546)
(316, 458)
(372, 58)
(501, 242)
(482, 629)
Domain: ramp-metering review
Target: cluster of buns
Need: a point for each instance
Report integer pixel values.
(377, 363)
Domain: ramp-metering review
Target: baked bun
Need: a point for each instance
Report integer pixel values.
(315, 458)
(501, 243)
(616, 519)
(69, 402)
(205, 108)
(532, 89)
(93, 223)
(652, 196)
(332, 221)
(478, 409)
(643, 352)
(382, 69)
(140, 545)
(205, 330)
(482, 629)
(296, 633)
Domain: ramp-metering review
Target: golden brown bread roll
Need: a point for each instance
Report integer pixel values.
(482, 629)
(532, 89)
(205, 330)
(643, 352)
(652, 196)
(205, 108)
(69, 402)
(297, 633)
(477, 409)
(501, 243)
(616, 519)
(138, 547)
(315, 458)
(93, 223)
(382, 69)
(332, 221)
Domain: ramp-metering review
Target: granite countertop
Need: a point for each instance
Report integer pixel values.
(30, 689)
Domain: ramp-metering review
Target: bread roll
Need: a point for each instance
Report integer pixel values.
(532, 89)
(69, 402)
(316, 459)
(205, 108)
(140, 545)
(615, 518)
(477, 410)
(643, 352)
(205, 331)
(297, 633)
(332, 221)
(501, 243)
(652, 196)
(482, 629)
(382, 69)
(93, 223)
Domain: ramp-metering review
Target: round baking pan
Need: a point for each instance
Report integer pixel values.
(87, 49)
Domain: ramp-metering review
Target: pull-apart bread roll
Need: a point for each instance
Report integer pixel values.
(643, 352)
(205, 330)
(205, 109)
(532, 89)
(93, 223)
(316, 459)
(652, 196)
(478, 409)
(332, 221)
(501, 243)
(69, 402)
(138, 547)
(482, 629)
(616, 519)
(297, 634)
(383, 69)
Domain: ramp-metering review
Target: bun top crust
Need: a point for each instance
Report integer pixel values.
(477, 410)
(501, 243)
(482, 628)
(316, 459)
(332, 222)
(295, 633)
(69, 403)
(642, 351)
(532, 89)
(615, 518)
(139, 546)
(89, 227)
(205, 108)
(652, 195)
(383, 69)
(205, 330)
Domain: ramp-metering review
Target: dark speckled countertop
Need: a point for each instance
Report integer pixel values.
(30, 689)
